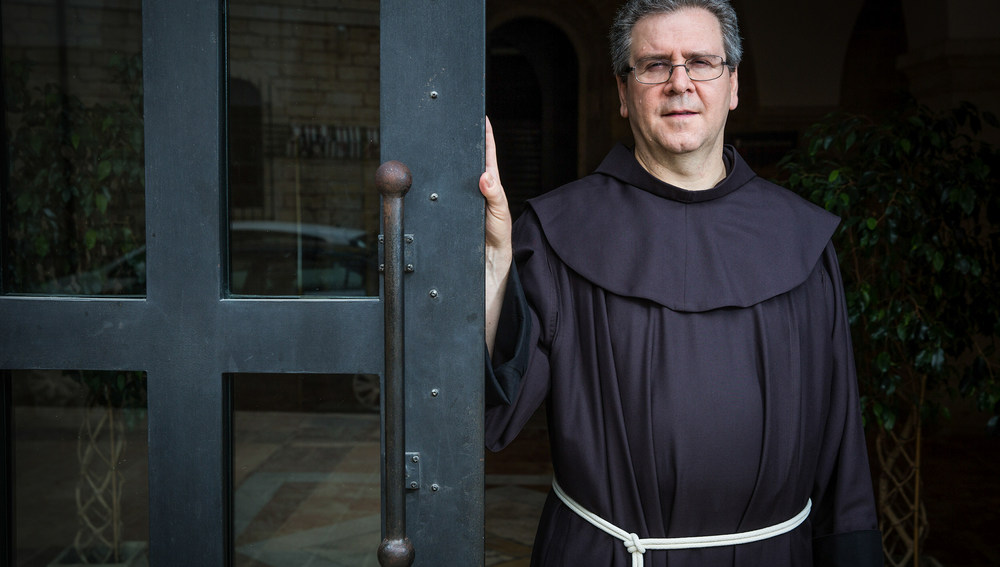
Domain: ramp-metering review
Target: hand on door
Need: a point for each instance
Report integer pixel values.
(498, 242)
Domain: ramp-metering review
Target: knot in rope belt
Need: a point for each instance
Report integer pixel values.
(637, 546)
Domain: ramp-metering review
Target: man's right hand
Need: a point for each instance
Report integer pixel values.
(499, 250)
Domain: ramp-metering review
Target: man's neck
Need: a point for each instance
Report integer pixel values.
(694, 172)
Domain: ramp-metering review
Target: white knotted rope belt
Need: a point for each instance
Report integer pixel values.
(637, 546)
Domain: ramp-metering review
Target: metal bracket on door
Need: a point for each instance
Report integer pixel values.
(409, 253)
(412, 481)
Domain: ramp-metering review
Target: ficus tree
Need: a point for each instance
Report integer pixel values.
(74, 180)
(73, 206)
(917, 192)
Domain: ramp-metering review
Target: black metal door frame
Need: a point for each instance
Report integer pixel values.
(186, 334)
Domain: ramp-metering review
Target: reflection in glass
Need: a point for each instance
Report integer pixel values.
(284, 258)
(80, 467)
(303, 148)
(306, 469)
(72, 200)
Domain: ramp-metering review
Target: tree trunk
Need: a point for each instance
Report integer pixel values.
(902, 516)
(100, 447)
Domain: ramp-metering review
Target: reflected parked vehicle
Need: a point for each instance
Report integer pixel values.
(285, 258)
(267, 258)
(123, 276)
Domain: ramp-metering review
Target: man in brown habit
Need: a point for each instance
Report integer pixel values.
(683, 320)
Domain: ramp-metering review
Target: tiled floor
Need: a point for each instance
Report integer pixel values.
(307, 490)
(288, 513)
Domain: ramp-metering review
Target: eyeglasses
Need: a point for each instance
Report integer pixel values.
(698, 68)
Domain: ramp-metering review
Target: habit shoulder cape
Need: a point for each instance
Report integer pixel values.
(693, 352)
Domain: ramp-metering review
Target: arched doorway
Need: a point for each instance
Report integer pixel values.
(871, 81)
(531, 97)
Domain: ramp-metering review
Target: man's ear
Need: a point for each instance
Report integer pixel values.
(622, 95)
(734, 87)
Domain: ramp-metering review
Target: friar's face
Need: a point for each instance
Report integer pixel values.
(679, 116)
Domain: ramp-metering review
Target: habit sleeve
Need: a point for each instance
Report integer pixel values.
(511, 347)
(842, 494)
(523, 341)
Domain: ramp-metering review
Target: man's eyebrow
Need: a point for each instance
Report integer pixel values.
(665, 57)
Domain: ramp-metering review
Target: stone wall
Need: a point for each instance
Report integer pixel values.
(306, 76)
(316, 72)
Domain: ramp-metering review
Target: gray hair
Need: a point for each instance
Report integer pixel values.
(634, 10)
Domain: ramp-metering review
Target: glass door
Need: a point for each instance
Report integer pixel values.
(194, 281)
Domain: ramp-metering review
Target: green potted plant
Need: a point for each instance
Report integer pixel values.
(918, 194)
(74, 209)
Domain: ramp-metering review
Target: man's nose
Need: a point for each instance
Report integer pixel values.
(679, 80)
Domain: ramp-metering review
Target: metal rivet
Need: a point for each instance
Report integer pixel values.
(381, 267)
(415, 458)
(408, 238)
(435, 487)
(435, 392)
(413, 485)
(433, 293)
(409, 268)
(434, 94)
(434, 196)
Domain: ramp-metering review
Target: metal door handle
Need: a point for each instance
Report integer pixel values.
(393, 180)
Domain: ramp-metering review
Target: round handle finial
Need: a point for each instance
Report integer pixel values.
(393, 179)
(395, 553)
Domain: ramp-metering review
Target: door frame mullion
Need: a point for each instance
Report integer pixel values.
(189, 449)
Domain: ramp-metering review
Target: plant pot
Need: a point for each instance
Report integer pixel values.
(133, 555)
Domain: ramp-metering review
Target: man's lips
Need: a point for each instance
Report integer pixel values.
(680, 113)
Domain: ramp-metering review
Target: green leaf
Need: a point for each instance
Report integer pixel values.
(871, 223)
(41, 246)
(102, 202)
(976, 268)
(103, 169)
(963, 265)
(902, 331)
(851, 138)
(834, 175)
(23, 203)
(888, 419)
(90, 239)
(883, 361)
(938, 261)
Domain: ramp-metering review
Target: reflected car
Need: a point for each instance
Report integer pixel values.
(267, 258)
(272, 258)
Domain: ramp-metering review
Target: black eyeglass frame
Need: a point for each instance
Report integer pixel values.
(670, 75)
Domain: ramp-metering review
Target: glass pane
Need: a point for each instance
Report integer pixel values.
(306, 469)
(80, 467)
(72, 199)
(303, 148)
